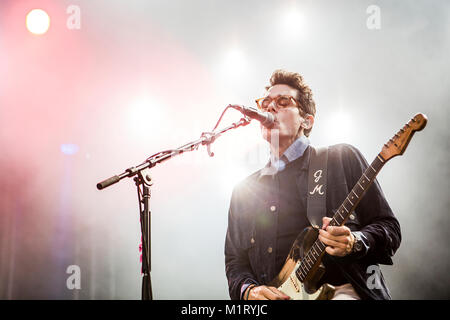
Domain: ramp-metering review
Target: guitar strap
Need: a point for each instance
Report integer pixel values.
(317, 186)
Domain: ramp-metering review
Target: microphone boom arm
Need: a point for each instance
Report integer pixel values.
(207, 138)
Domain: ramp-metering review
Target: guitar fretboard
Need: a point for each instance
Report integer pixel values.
(347, 207)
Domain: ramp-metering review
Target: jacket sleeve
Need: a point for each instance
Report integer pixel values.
(378, 228)
(237, 262)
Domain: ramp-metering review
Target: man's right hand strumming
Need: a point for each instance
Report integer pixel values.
(264, 293)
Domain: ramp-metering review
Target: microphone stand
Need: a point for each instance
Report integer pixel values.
(143, 181)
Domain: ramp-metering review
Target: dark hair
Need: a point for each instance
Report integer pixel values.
(295, 80)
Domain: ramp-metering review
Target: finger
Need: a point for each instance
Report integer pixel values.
(344, 238)
(335, 251)
(262, 293)
(259, 296)
(332, 243)
(278, 293)
(271, 293)
(338, 231)
(337, 248)
(325, 222)
(252, 296)
(256, 294)
(268, 293)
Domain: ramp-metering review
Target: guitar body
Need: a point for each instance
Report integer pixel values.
(287, 280)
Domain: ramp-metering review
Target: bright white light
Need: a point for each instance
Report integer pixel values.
(145, 116)
(234, 63)
(240, 154)
(292, 23)
(69, 148)
(339, 127)
(231, 176)
(37, 21)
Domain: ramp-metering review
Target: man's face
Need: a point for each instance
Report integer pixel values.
(288, 120)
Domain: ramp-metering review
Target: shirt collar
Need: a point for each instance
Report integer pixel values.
(293, 152)
(296, 149)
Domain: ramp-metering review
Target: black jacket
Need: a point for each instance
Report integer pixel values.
(252, 229)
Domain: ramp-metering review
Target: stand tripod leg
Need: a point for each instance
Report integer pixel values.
(147, 287)
(146, 280)
(144, 208)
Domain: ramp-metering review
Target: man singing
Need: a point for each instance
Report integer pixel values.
(269, 208)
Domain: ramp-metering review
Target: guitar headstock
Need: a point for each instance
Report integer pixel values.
(398, 143)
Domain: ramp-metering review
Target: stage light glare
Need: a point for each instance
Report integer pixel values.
(340, 125)
(293, 23)
(145, 114)
(234, 62)
(232, 176)
(37, 21)
(69, 148)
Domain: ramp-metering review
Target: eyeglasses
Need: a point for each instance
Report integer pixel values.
(281, 102)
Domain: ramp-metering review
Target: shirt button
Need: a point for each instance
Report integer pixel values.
(352, 217)
(269, 249)
(273, 208)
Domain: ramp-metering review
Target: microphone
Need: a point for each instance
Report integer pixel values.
(266, 118)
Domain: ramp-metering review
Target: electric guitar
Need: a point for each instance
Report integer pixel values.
(303, 268)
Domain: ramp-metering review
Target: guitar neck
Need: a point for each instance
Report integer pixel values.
(341, 215)
(356, 194)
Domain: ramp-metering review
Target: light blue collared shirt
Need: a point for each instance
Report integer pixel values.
(293, 152)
